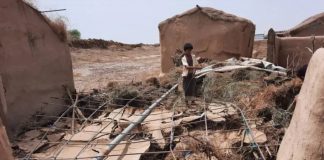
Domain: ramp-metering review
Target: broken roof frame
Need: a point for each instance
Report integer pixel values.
(176, 136)
(118, 143)
(247, 128)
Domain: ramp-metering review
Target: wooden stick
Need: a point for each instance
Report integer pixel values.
(73, 108)
(268, 150)
(73, 119)
(289, 109)
(76, 109)
(256, 155)
(242, 141)
(79, 113)
(55, 10)
(206, 127)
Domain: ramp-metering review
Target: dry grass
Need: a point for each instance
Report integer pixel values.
(152, 81)
(31, 3)
(277, 96)
(265, 98)
(201, 148)
(59, 27)
(226, 88)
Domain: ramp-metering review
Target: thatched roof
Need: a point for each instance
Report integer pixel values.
(212, 13)
(316, 19)
(58, 26)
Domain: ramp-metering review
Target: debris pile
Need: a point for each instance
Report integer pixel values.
(241, 112)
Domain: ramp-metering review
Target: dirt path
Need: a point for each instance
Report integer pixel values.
(95, 68)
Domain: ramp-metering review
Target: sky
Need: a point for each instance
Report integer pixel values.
(136, 21)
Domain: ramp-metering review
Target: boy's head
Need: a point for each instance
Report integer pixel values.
(187, 48)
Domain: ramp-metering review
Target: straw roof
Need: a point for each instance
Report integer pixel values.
(314, 20)
(212, 13)
(58, 26)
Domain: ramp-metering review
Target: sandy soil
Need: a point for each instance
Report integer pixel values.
(95, 68)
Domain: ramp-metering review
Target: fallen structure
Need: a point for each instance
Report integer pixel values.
(304, 138)
(213, 33)
(35, 64)
(233, 91)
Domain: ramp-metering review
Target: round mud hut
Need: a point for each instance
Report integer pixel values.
(214, 34)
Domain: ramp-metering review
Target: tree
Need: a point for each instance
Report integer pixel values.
(74, 34)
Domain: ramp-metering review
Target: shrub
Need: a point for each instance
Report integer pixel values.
(74, 34)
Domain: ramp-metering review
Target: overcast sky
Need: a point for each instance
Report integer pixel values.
(135, 21)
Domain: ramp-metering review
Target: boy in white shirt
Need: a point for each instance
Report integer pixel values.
(190, 65)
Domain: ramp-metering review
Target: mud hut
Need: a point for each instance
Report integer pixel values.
(294, 48)
(213, 33)
(292, 52)
(35, 64)
(312, 26)
(304, 137)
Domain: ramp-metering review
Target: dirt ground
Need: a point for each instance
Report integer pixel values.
(95, 68)
(260, 49)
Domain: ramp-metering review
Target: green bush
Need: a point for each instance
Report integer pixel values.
(74, 34)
